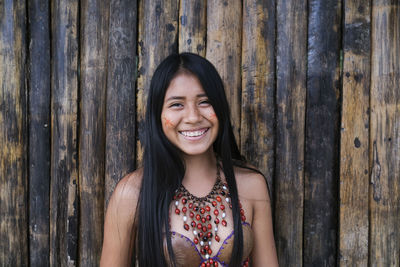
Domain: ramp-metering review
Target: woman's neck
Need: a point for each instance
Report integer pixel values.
(201, 173)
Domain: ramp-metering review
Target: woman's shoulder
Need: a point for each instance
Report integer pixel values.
(125, 196)
(251, 183)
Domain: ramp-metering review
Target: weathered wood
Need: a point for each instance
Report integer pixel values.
(224, 35)
(13, 135)
(354, 137)
(64, 134)
(121, 95)
(258, 82)
(193, 26)
(94, 23)
(39, 133)
(290, 122)
(157, 40)
(322, 131)
(384, 246)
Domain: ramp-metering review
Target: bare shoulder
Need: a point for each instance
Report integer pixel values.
(251, 184)
(125, 196)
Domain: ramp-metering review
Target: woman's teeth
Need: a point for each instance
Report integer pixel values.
(193, 133)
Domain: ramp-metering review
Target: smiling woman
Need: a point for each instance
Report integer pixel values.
(195, 202)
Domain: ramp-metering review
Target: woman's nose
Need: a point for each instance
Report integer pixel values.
(192, 114)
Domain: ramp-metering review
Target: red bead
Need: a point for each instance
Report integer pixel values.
(180, 195)
(209, 226)
(203, 220)
(200, 234)
(190, 205)
(186, 226)
(224, 223)
(204, 229)
(208, 208)
(217, 238)
(243, 218)
(216, 212)
(216, 221)
(218, 198)
(174, 198)
(215, 264)
(214, 203)
(191, 214)
(184, 209)
(184, 200)
(206, 247)
(208, 217)
(177, 211)
(208, 264)
(209, 251)
(203, 264)
(222, 207)
(209, 234)
(198, 217)
(195, 240)
(193, 224)
(211, 261)
(202, 210)
(199, 226)
(241, 212)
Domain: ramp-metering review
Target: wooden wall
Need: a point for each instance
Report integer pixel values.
(315, 102)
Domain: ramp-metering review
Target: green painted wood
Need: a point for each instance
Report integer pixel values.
(94, 22)
(13, 135)
(290, 122)
(39, 133)
(64, 207)
(322, 131)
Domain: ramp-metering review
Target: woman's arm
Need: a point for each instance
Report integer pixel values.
(119, 221)
(264, 250)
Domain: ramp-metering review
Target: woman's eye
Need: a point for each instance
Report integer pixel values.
(175, 105)
(205, 102)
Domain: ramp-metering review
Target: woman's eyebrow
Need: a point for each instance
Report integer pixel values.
(182, 97)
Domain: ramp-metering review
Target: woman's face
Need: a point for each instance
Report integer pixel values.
(188, 119)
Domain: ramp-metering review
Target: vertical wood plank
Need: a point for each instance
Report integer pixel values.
(13, 135)
(157, 40)
(354, 138)
(322, 132)
(193, 26)
(64, 207)
(258, 82)
(94, 24)
(39, 133)
(121, 95)
(224, 33)
(385, 134)
(290, 123)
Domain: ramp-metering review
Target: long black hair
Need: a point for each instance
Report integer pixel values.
(164, 167)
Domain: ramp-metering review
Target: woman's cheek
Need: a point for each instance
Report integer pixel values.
(212, 116)
(168, 122)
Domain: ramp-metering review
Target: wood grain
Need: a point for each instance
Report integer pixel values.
(193, 26)
(64, 209)
(354, 136)
(258, 81)
(39, 133)
(322, 131)
(93, 84)
(13, 135)
(157, 40)
(384, 239)
(290, 122)
(121, 96)
(224, 27)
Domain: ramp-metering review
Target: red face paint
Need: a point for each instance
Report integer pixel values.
(168, 123)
